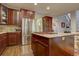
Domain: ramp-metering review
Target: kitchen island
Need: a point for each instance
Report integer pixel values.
(53, 44)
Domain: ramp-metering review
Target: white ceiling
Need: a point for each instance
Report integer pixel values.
(55, 8)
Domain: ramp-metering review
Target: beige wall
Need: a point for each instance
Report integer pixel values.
(73, 22)
(57, 24)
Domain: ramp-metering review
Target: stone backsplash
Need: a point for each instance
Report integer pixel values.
(9, 28)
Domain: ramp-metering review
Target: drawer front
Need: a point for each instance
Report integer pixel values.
(40, 38)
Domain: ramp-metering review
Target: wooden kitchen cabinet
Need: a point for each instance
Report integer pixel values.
(34, 47)
(3, 42)
(19, 38)
(14, 38)
(11, 39)
(39, 48)
(7, 39)
(6, 13)
(10, 17)
(47, 24)
(16, 17)
(13, 17)
(3, 14)
(56, 46)
(0, 12)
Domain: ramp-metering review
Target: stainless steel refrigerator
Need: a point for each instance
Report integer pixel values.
(26, 31)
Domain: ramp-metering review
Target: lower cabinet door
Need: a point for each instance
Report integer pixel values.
(0, 47)
(4, 43)
(41, 50)
(12, 39)
(34, 47)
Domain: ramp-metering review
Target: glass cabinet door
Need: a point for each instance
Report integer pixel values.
(4, 12)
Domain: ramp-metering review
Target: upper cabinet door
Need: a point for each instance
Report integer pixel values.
(13, 17)
(10, 17)
(16, 17)
(47, 24)
(3, 14)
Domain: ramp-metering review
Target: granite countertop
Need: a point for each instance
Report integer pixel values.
(52, 35)
(2, 32)
(9, 29)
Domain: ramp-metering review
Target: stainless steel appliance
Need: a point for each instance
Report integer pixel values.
(26, 31)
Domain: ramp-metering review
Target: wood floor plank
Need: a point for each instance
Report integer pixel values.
(18, 51)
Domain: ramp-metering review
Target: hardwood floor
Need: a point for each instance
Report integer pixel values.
(18, 51)
(22, 51)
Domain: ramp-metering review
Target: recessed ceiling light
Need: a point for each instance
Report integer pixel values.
(47, 7)
(35, 3)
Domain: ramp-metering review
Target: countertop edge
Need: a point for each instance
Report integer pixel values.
(56, 35)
